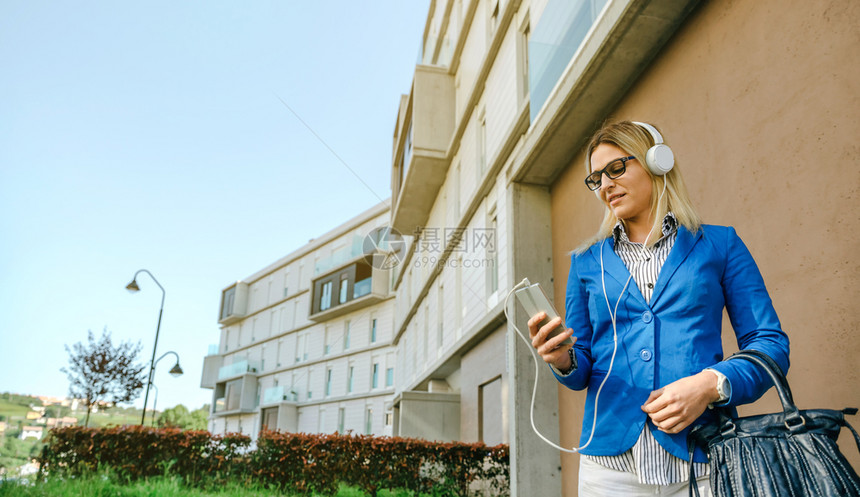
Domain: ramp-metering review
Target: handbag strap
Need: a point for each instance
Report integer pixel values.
(845, 423)
(793, 419)
(693, 486)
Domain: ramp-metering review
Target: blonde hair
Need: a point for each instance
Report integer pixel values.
(635, 140)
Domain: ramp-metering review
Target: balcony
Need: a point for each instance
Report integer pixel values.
(211, 368)
(234, 303)
(340, 257)
(237, 368)
(235, 396)
(283, 417)
(421, 146)
(347, 288)
(275, 395)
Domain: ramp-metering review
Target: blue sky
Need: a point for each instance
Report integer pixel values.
(152, 135)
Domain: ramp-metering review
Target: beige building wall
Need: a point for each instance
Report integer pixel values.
(760, 100)
(483, 417)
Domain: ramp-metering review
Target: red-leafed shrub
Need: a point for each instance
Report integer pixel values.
(292, 462)
(134, 452)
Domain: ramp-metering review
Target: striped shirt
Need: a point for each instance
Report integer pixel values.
(648, 459)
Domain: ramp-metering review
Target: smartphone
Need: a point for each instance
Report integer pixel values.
(534, 300)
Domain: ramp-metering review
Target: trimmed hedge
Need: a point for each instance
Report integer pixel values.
(292, 462)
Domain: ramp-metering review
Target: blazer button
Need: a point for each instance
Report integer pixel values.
(647, 317)
(645, 355)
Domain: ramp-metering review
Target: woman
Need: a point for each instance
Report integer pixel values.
(644, 305)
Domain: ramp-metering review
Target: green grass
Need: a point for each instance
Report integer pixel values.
(13, 409)
(102, 486)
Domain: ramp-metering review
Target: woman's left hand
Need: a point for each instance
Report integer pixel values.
(675, 406)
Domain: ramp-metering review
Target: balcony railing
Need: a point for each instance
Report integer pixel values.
(340, 257)
(277, 394)
(362, 288)
(236, 369)
(220, 404)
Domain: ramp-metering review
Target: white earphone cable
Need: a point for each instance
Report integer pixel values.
(612, 315)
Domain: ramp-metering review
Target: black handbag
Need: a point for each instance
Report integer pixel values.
(792, 453)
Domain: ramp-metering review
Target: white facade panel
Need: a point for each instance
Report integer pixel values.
(471, 58)
(500, 94)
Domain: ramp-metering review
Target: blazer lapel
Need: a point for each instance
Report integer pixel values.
(684, 243)
(615, 268)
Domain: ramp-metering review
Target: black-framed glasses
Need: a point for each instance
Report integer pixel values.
(614, 170)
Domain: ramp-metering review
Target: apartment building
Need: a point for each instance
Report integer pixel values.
(759, 104)
(306, 342)
(475, 232)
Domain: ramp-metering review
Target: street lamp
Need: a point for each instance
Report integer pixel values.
(175, 372)
(133, 288)
(154, 403)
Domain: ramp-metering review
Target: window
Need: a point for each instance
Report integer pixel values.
(349, 283)
(327, 341)
(349, 379)
(493, 253)
(301, 348)
(232, 395)
(322, 421)
(325, 299)
(346, 332)
(257, 395)
(493, 23)
(389, 377)
(273, 322)
(227, 302)
(489, 405)
(270, 419)
(341, 418)
(328, 382)
(456, 187)
(368, 421)
(523, 60)
(389, 418)
(344, 286)
(440, 320)
(372, 330)
(482, 144)
(374, 377)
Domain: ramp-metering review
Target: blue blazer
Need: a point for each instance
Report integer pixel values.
(676, 335)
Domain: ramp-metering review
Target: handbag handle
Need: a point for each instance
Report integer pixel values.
(793, 419)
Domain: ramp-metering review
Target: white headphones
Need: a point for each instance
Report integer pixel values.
(660, 157)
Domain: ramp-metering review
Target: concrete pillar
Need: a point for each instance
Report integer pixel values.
(535, 466)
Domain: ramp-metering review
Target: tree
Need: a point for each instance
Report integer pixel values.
(101, 373)
(180, 417)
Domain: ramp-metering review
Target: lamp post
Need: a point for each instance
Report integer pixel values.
(154, 403)
(175, 372)
(132, 287)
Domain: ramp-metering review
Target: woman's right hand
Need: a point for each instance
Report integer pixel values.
(552, 350)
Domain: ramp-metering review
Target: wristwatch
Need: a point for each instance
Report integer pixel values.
(724, 386)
